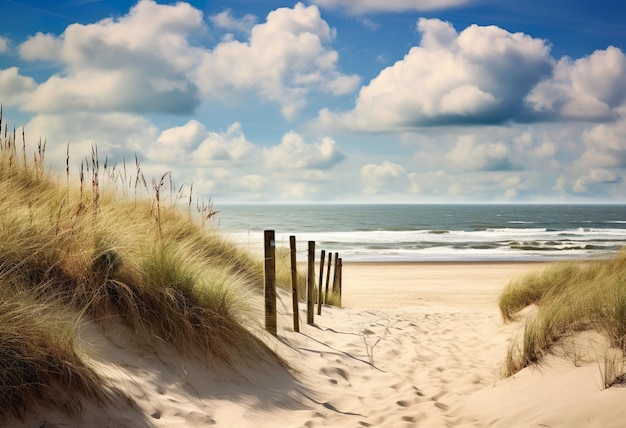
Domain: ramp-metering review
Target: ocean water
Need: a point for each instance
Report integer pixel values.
(434, 232)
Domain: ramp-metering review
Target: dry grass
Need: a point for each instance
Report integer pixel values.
(569, 297)
(333, 299)
(37, 354)
(104, 251)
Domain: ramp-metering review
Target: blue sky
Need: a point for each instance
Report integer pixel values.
(413, 101)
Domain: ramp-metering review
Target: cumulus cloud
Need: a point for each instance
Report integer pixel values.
(585, 182)
(192, 144)
(431, 183)
(149, 61)
(518, 162)
(589, 88)
(293, 153)
(136, 63)
(604, 146)
(479, 76)
(226, 21)
(42, 47)
(468, 154)
(117, 135)
(14, 87)
(283, 60)
(299, 169)
(218, 164)
(383, 178)
(365, 6)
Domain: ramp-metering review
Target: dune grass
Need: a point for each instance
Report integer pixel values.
(569, 297)
(109, 248)
(37, 352)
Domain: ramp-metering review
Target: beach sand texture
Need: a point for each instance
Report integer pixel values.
(415, 345)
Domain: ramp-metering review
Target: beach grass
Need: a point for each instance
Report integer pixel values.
(109, 248)
(567, 297)
(333, 299)
(39, 357)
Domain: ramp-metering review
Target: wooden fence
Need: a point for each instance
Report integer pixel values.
(311, 286)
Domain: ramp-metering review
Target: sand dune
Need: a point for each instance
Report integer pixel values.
(415, 345)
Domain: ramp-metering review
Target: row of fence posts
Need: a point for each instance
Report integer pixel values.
(322, 297)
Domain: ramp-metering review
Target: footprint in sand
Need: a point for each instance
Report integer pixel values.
(334, 372)
(403, 403)
(441, 406)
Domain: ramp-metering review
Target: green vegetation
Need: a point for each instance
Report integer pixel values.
(333, 299)
(109, 249)
(569, 297)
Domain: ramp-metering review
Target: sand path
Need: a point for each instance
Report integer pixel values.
(415, 345)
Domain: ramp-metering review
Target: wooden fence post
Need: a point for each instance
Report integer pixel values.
(310, 308)
(335, 273)
(330, 261)
(294, 285)
(270, 282)
(319, 286)
(340, 279)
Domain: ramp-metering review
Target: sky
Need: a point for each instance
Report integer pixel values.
(378, 101)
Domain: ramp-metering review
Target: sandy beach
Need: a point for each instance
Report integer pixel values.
(416, 344)
(391, 286)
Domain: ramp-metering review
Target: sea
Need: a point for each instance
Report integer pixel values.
(390, 232)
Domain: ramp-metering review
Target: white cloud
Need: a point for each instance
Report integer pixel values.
(431, 183)
(365, 6)
(284, 59)
(43, 47)
(383, 178)
(589, 88)
(604, 176)
(4, 44)
(369, 24)
(254, 183)
(510, 194)
(480, 75)
(226, 21)
(217, 163)
(293, 153)
(192, 145)
(468, 154)
(514, 162)
(466, 100)
(436, 34)
(300, 190)
(116, 135)
(149, 61)
(136, 63)
(115, 90)
(231, 145)
(605, 146)
(14, 88)
(596, 176)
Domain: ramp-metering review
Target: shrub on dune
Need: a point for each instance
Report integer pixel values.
(569, 297)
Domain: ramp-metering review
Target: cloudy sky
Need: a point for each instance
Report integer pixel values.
(413, 101)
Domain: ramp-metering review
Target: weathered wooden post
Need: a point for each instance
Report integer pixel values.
(294, 285)
(270, 282)
(319, 286)
(310, 308)
(340, 279)
(330, 261)
(335, 274)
